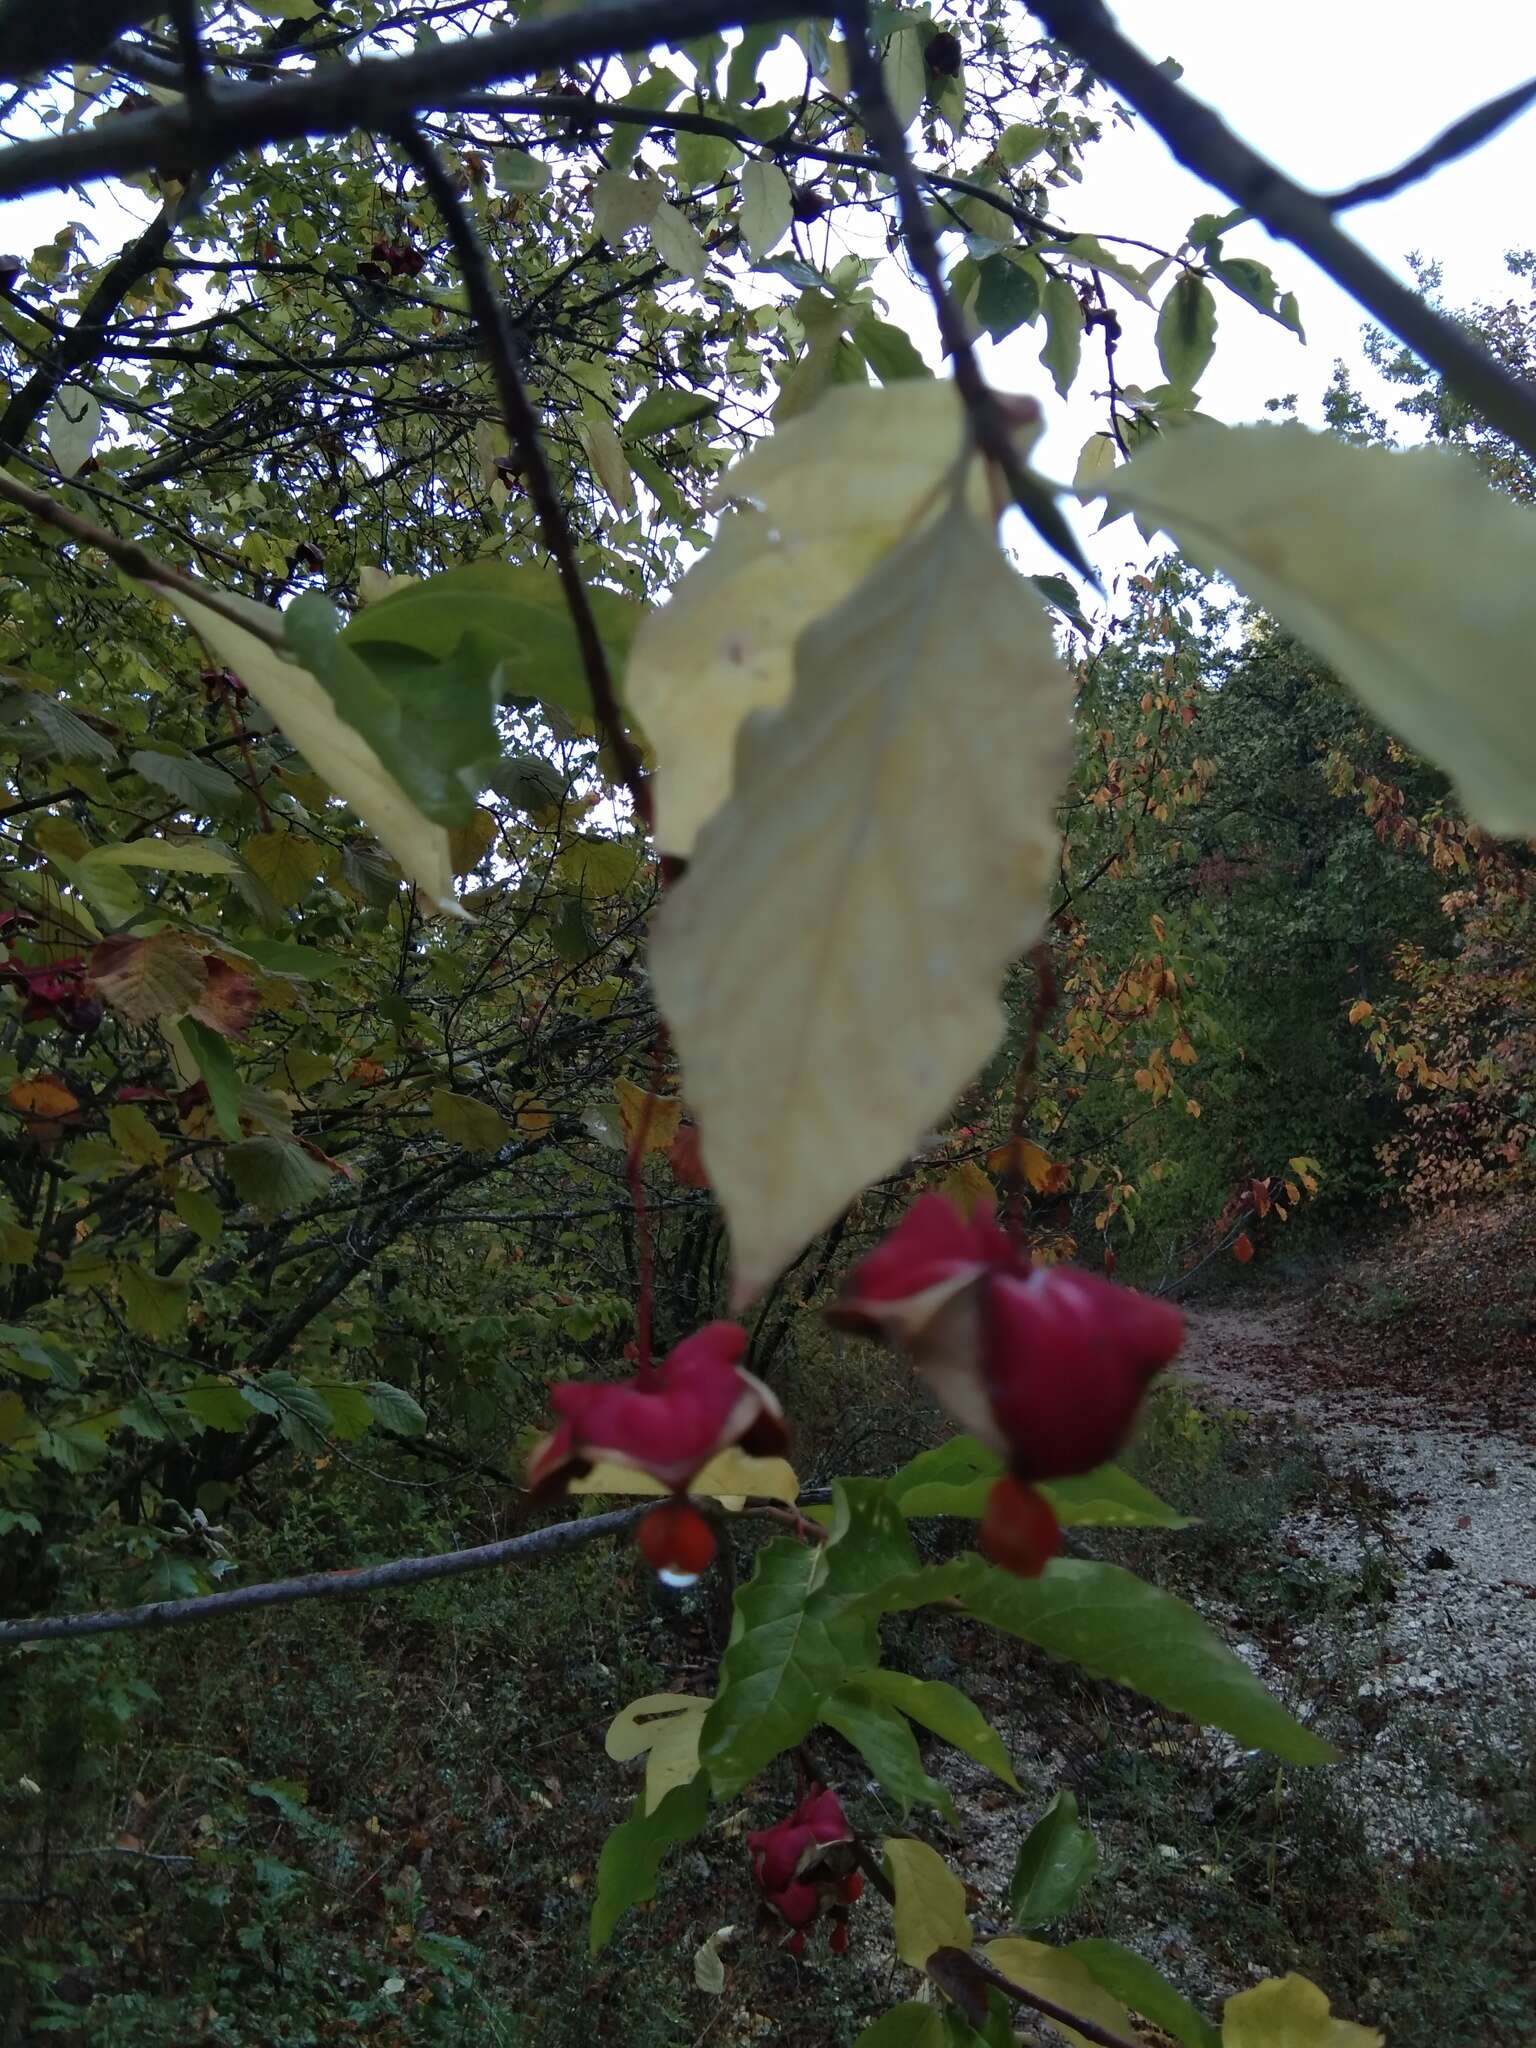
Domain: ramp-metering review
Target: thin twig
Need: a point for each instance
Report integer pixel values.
(990, 425)
(1467, 133)
(1204, 144)
(490, 313)
(343, 1585)
(965, 1969)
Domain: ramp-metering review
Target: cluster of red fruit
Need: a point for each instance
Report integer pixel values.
(1046, 1365)
(391, 259)
(804, 1868)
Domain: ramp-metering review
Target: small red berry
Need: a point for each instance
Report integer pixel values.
(1019, 1530)
(796, 1942)
(852, 1887)
(837, 1940)
(677, 1541)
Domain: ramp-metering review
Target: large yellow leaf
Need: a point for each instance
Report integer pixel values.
(335, 749)
(730, 1476)
(929, 1911)
(1399, 566)
(1289, 2012)
(664, 1729)
(838, 487)
(829, 963)
(650, 1120)
(1054, 1974)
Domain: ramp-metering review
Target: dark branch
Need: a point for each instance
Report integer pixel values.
(377, 93)
(401, 1571)
(1461, 136)
(1204, 144)
(961, 1974)
(490, 313)
(990, 426)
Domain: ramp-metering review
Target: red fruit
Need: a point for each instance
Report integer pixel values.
(837, 1940)
(852, 1887)
(796, 1943)
(677, 1542)
(1242, 1251)
(1019, 1530)
(943, 53)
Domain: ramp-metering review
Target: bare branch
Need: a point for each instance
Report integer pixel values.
(961, 1973)
(490, 313)
(344, 1585)
(1204, 144)
(377, 93)
(990, 425)
(1461, 136)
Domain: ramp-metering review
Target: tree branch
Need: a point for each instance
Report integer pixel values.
(990, 426)
(490, 313)
(344, 1585)
(377, 92)
(1461, 136)
(960, 1972)
(1204, 144)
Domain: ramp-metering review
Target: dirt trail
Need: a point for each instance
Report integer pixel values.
(1448, 1505)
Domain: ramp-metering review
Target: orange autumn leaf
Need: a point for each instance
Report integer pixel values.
(1259, 1192)
(1358, 1012)
(369, 1072)
(229, 999)
(41, 1099)
(1242, 1251)
(1022, 1159)
(649, 1121)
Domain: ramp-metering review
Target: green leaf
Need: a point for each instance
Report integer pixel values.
(1255, 283)
(517, 171)
(463, 1120)
(664, 410)
(394, 1409)
(32, 1357)
(948, 1480)
(431, 724)
(1089, 251)
(274, 1175)
(784, 1658)
(631, 1856)
(66, 732)
(1007, 296)
(1136, 1984)
(516, 613)
(678, 242)
(1186, 331)
(174, 856)
(906, 75)
(889, 350)
(1432, 631)
(948, 1712)
(302, 1413)
(350, 1411)
(1063, 332)
(216, 1063)
(766, 211)
(867, 1542)
(929, 1910)
(217, 1405)
(597, 867)
(1055, 1860)
(1117, 1625)
(905, 2026)
(1059, 593)
(156, 1308)
(1110, 1499)
(201, 787)
(887, 1745)
(303, 963)
(200, 1213)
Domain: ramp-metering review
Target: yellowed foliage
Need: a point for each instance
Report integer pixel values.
(650, 1120)
(1022, 1156)
(968, 1188)
(1401, 567)
(932, 692)
(1054, 1974)
(337, 750)
(664, 1729)
(730, 1476)
(1289, 2012)
(929, 1911)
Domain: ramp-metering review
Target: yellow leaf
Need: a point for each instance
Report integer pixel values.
(532, 1117)
(337, 750)
(1053, 1973)
(969, 1189)
(933, 691)
(462, 1120)
(1358, 1012)
(42, 1098)
(1022, 1156)
(730, 1475)
(664, 1729)
(930, 1901)
(648, 1120)
(1289, 2012)
(609, 463)
(468, 844)
(135, 1136)
(1401, 567)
